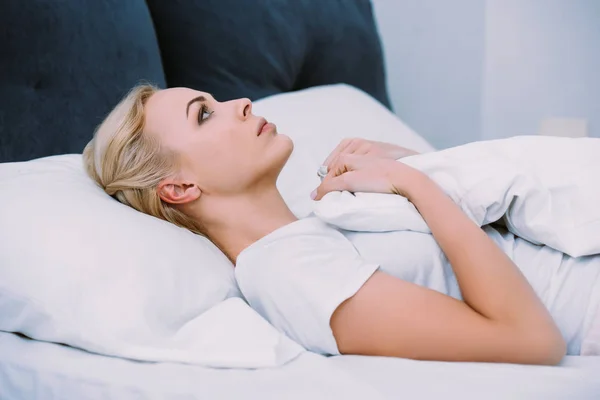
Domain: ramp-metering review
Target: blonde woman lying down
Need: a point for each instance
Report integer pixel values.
(211, 167)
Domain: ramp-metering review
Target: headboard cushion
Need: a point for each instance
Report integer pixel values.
(257, 48)
(64, 65)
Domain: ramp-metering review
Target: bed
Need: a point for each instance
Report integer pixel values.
(37, 370)
(278, 72)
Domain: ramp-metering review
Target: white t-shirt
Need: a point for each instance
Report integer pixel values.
(298, 275)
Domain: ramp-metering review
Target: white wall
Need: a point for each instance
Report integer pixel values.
(465, 70)
(434, 53)
(542, 59)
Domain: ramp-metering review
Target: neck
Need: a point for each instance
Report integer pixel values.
(235, 222)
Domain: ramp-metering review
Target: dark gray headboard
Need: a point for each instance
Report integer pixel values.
(65, 63)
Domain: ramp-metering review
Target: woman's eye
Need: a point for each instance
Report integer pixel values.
(203, 114)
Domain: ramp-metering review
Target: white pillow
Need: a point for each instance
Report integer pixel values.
(77, 267)
(80, 268)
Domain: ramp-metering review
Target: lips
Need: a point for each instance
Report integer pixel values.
(261, 125)
(264, 126)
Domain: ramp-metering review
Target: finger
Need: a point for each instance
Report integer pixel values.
(333, 184)
(347, 146)
(342, 164)
(338, 149)
(357, 148)
(349, 162)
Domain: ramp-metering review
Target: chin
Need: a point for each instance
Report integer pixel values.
(288, 148)
(279, 154)
(282, 146)
(288, 141)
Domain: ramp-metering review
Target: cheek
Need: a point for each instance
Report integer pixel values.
(225, 167)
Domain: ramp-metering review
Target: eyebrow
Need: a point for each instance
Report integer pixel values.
(192, 101)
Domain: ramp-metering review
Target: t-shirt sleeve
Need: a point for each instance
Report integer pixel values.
(299, 278)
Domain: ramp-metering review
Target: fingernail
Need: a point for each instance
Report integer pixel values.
(313, 194)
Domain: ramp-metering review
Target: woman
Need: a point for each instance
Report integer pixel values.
(211, 167)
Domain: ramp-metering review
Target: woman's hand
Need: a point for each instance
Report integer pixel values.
(359, 173)
(365, 147)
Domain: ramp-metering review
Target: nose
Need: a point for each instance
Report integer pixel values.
(244, 108)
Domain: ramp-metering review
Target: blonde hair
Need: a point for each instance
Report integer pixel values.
(129, 164)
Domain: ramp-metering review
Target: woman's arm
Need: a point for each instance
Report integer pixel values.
(500, 320)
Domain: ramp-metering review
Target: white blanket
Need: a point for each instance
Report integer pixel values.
(547, 190)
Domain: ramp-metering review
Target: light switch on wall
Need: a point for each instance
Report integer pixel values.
(567, 127)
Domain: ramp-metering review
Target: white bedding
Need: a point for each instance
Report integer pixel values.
(546, 189)
(31, 370)
(576, 378)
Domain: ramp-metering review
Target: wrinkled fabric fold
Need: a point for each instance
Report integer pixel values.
(544, 189)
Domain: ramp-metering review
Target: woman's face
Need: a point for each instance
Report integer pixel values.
(222, 148)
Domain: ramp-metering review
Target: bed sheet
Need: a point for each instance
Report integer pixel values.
(32, 370)
(574, 378)
(37, 370)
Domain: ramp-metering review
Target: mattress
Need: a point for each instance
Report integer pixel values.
(37, 370)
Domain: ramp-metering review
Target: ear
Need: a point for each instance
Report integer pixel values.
(178, 192)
